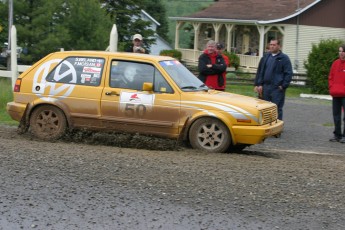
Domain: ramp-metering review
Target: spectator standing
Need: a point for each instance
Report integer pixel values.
(274, 76)
(211, 67)
(249, 52)
(220, 50)
(137, 46)
(336, 84)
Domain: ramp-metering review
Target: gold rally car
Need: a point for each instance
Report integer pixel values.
(137, 93)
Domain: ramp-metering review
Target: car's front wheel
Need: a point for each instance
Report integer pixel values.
(48, 122)
(210, 135)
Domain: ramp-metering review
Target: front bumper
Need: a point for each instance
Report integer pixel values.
(256, 134)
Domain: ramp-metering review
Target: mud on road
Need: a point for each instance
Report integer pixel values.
(89, 181)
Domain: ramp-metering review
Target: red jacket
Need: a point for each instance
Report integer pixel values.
(210, 76)
(336, 79)
(227, 62)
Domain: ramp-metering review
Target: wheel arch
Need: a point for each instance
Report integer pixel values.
(32, 107)
(191, 120)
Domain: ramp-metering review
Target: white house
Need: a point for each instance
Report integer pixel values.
(160, 44)
(241, 25)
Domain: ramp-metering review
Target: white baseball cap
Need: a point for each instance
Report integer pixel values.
(138, 36)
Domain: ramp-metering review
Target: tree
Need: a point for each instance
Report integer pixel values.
(126, 15)
(157, 10)
(89, 31)
(45, 26)
(3, 24)
(319, 63)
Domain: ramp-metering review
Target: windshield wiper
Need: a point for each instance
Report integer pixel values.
(204, 87)
(189, 87)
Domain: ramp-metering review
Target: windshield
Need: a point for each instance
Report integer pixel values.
(185, 80)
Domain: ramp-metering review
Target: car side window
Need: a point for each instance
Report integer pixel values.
(161, 85)
(130, 75)
(78, 70)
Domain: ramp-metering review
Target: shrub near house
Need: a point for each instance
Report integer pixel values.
(171, 53)
(319, 63)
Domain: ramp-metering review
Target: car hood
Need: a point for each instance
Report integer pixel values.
(225, 101)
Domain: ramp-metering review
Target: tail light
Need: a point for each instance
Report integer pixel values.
(17, 85)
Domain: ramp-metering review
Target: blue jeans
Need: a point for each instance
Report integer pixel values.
(338, 103)
(277, 96)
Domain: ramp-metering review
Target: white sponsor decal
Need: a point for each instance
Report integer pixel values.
(128, 97)
(146, 100)
(85, 77)
(40, 85)
(91, 70)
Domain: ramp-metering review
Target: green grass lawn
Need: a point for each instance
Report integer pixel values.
(6, 96)
(248, 90)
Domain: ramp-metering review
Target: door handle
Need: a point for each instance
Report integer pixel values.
(112, 93)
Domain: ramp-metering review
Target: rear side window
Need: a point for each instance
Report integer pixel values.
(78, 70)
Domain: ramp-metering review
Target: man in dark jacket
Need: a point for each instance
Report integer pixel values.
(211, 67)
(137, 46)
(274, 76)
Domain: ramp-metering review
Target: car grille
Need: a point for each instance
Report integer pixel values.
(269, 115)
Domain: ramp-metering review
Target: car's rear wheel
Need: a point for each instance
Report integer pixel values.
(48, 122)
(210, 135)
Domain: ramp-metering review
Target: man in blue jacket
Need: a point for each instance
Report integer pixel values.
(274, 76)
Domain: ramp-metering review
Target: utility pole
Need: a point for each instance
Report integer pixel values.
(10, 23)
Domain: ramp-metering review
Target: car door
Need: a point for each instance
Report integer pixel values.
(126, 107)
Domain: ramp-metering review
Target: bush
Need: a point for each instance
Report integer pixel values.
(171, 53)
(233, 58)
(319, 63)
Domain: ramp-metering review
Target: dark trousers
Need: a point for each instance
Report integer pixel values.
(338, 104)
(277, 96)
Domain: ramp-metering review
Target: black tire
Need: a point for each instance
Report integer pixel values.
(210, 135)
(48, 122)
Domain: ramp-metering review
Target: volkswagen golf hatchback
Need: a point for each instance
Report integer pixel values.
(136, 93)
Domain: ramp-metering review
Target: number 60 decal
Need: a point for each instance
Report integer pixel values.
(135, 110)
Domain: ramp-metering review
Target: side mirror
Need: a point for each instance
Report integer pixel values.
(147, 86)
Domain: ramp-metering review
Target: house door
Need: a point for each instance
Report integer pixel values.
(245, 43)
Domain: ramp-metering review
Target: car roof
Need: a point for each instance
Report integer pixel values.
(117, 54)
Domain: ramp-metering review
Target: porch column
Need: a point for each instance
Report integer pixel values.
(216, 27)
(229, 29)
(177, 34)
(196, 27)
(262, 32)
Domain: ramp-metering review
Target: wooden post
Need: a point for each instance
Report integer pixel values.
(14, 66)
(113, 39)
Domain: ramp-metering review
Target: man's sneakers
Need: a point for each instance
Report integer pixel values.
(337, 139)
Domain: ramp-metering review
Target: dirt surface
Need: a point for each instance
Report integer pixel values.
(106, 181)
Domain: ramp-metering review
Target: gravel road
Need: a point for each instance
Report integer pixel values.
(90, 181)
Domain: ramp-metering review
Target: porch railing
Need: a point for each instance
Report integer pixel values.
(190, 57)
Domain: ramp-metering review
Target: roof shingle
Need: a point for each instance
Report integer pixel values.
(261, 10)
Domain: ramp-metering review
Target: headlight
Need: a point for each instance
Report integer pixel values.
(261, 115)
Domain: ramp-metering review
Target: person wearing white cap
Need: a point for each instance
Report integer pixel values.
(137, 45)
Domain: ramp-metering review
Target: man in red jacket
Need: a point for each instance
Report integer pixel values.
(336, 85)
(220, 50)
(211, 67)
